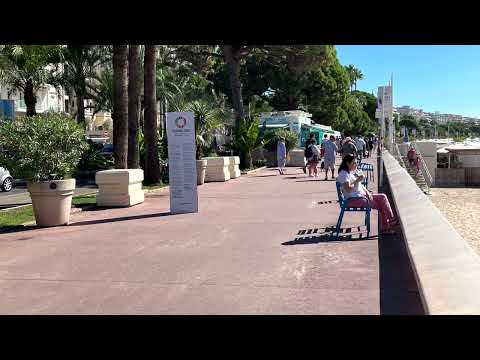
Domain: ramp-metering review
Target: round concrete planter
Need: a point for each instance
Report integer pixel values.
(52, 201)
(201, 170)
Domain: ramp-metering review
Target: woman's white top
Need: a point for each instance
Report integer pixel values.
(358, 190)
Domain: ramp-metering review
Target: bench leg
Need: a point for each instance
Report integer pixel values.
(339, 224)
(367, 223)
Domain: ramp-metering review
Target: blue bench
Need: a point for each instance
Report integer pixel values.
(368, 168)
(344, 207)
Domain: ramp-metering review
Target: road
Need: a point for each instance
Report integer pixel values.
(20, 196)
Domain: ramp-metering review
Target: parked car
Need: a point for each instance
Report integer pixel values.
(6, 180)
(107, 151)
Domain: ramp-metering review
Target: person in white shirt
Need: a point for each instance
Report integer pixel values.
(360, 144)
(352, 187)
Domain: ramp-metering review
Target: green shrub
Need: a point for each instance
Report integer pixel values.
(246, 138)
(259, 163)
(43, 147)
(272, 137)
(91, 160)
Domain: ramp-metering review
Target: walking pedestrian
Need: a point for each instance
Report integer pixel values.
(322, 149)
(307, 153)
(349, 147)
(360, 144)
(370, 146)
(281, 155)
(313, 160)
(329, 160)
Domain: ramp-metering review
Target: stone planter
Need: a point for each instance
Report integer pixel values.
(201, 171)
(119, 187)
(234, 167)
(52, 201)
(296, 157)
(217, 169)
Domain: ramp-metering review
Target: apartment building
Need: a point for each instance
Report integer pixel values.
(436, 116)
(48, 98)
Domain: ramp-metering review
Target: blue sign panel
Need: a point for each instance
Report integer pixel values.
(7, 109)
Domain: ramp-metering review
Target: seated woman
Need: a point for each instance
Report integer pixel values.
(352, 187)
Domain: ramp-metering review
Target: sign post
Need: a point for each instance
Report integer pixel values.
(182, 163)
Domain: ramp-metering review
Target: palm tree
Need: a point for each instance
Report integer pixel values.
(152, 165)
(120, 105)
(169, 86)
(358, 76)
(134, 85)
(80, 66)
(25, 68)
(100, 90)
(211, 116)
(233, 55)
(354, 74)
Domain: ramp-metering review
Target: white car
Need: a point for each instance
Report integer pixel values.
(6, 180)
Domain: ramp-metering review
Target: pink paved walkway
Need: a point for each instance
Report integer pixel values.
(242, 254)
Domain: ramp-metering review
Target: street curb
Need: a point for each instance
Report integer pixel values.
(253, 171)
(13, 208)
(156, 190)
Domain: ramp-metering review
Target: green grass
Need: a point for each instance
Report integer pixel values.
(11, 219)
(82, 200)
(16, 217)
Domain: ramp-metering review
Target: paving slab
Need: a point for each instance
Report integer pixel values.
(259, 245)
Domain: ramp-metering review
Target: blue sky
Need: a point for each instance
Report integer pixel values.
(434, 78)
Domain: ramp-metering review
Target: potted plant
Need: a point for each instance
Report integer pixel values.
(44, 150)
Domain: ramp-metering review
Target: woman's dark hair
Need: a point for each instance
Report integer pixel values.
(347, 159)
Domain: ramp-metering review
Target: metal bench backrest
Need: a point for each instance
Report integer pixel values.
(341, 198)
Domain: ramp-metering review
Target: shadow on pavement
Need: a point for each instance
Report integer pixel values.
(316, 236)
(124, 218)
(399, 293)
(17, 228)
(263, 176)
(308, 180)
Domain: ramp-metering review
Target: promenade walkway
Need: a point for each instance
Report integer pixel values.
(257, 246)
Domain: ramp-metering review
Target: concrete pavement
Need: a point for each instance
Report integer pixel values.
(257, 246)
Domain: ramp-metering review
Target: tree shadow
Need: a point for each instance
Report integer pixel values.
(123, 218)
(321, 235)
(263, 176)
(17, 228)
(309, 180)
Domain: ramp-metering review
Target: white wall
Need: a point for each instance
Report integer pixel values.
(469, 160)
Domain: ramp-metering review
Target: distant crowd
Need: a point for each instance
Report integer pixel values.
(350, 179)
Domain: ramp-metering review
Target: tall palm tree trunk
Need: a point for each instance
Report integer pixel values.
(80, 109)
(133, 106)
(30, 98)
(120, 105)
(232, 58)
(152, 165)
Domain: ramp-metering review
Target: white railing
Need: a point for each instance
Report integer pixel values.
(425, 171)
(398, 155)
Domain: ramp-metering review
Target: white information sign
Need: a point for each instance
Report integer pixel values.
(182, 165)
